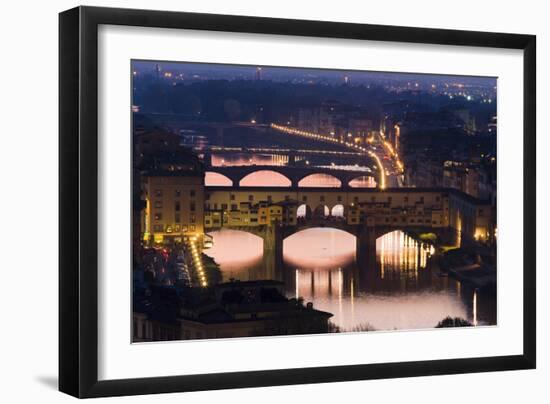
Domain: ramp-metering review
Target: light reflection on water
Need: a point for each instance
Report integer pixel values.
(401, 291)
(320, 181)
(363, 182)
(236, 252)
(265, 178)
(221, 160)
(216, 179)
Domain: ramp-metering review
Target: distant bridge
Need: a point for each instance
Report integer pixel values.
(293, 174)
(277, 151)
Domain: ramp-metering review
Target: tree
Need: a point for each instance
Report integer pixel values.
(453, 322)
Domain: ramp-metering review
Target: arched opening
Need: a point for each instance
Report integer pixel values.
(265, 178)
(303, 212)
(237, 252)
(320, 181)
(364, 181)
(337, 211)
(321, 212)
(319, 248)
(216, 179)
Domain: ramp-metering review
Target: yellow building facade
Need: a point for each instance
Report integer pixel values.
(174, 208)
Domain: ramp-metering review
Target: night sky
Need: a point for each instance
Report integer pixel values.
(225, 71)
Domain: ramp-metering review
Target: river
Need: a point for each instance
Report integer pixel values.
(402, 290)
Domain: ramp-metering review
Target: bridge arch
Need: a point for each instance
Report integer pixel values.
(419, 233)
(330, 247)
(223, 248)
(363, 181)
(328, 226)
(260, 178)
(212, 178)
(319, 180)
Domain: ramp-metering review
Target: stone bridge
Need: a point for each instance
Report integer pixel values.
(273, 236)
(294, 174)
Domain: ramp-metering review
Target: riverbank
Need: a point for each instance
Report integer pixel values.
(469, 266)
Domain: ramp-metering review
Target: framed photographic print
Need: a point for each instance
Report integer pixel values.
(252, 201)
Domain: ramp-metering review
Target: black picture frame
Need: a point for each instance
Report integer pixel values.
(78, 196)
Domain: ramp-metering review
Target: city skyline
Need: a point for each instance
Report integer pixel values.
(285, 73)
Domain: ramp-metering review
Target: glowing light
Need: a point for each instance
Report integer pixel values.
(381, 169)
(474, 304)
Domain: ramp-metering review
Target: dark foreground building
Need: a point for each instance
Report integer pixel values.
(227, 310)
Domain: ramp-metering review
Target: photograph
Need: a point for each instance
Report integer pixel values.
(273, 201)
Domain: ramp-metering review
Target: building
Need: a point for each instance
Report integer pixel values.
(308, 119)
(227, 310)
(249, 214)
(473, 178)
(437, 208)
(174, 206)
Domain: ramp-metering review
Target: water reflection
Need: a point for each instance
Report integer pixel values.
(401, 289)
(265, 178)
(237, 253)
(239, 159)
(326, 249)
(216, 179)
(401, 255)
(320, 181)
